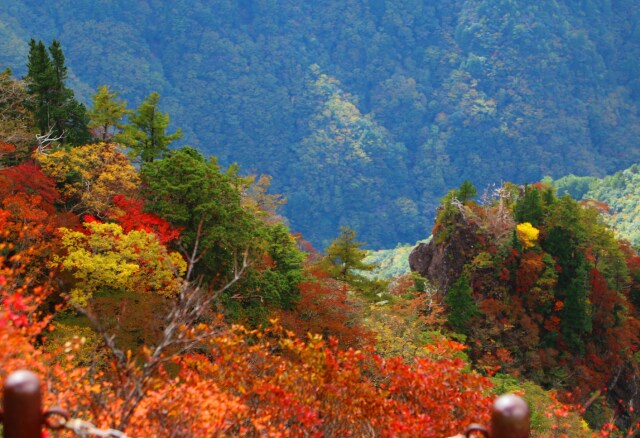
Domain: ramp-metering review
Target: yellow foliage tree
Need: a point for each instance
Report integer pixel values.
(106, 257)
(408, 323)
(90, 176)
(528, 234)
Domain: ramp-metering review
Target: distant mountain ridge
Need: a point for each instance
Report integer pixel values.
(365, 112)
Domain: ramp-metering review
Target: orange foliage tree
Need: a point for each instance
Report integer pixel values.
(241, 382)
(326, 307)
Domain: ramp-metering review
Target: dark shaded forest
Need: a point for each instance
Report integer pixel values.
(367, 111)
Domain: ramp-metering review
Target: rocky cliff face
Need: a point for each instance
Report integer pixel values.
(442, 259)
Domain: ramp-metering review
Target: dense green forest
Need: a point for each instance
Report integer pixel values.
(619, 195)
(365, 111)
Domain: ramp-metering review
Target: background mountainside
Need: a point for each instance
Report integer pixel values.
(621, 194)
(366, 111)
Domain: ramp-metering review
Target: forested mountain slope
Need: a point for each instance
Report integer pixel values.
(541, 287)
(619, 193)
(365, 111)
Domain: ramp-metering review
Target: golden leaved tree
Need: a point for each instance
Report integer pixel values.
(106, 257)
(90, 176)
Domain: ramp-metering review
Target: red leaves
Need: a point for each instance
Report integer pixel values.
(6, 148)
(132, 217)
(325, 308)
(27, 179)
(435, 397)
(529, 271)
(16, 309)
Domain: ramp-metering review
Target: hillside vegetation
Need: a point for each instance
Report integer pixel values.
(367, 111)
(618, 195)
(159, 291)
(540, 288)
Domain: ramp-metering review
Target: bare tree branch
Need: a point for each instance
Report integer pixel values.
(45, 141)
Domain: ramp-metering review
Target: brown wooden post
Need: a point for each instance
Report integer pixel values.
(510, 417)
(22, 406)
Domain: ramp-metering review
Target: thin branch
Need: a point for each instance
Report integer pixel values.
(45, 141)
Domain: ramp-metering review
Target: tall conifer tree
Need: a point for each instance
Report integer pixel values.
(55, 108)
(345, 257)
(107, 114)
(462, 307)
(146, 135)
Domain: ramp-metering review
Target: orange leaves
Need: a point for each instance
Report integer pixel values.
(530, 269)
(20, 321)
(6, 148)
(187, 406)
(27, 215)
(325, 307)
(434, 397)
(252, 382)
(316, 389)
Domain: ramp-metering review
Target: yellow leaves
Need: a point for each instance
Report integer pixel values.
(107, 258)
(92, 175)
(527, 234)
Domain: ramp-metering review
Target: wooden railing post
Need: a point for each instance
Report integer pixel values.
(22, 406)
(510, 417)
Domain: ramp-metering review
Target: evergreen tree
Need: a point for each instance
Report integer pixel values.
(193, 194)
(461, 305)
(529, 207)
(576, 315)
(515, 242)
(549, 197)
(146, 135)
(38, 82)
(345, 257)
(55, 108)
(467, 191)
(107, 114)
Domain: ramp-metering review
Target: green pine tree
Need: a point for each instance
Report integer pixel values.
(467, 191)
(345, 258)
(576, 314)
(55, 108)
(529, 207)
(39, 80)
(107, 114)
(461, 305)
(146, 135)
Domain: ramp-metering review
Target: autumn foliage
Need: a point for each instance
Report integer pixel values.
(327, 307)
(178, 304)
(169, 298)
(555, 290)
(129, 213)
(106, 311)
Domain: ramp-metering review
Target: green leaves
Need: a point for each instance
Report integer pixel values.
(217, 227)
(344, 257)
(461, 305)
(56, 110)
(146, 133)
(107, 114)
